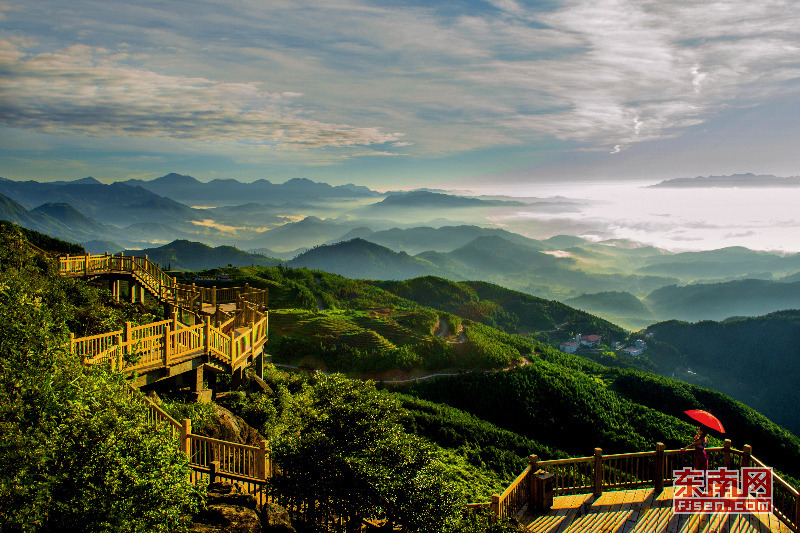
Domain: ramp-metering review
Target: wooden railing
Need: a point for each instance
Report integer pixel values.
(214, 458)
(159, 283)
(631, 470)
(163, 344)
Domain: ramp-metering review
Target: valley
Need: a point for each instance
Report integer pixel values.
(359, 233)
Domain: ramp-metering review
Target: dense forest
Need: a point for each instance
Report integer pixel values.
(754, 359)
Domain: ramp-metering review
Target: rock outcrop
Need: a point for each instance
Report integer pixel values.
(229, 510)
(232, 428)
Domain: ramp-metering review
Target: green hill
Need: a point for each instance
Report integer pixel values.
(358, 258)
(751, 359)
(619, 303)
(509, 310)
(188, 255)
(569, 403)
(716, 301)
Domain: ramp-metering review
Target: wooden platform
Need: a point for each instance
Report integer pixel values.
(640, 511)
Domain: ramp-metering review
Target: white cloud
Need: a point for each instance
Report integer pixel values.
(92, 91)
(602, 73)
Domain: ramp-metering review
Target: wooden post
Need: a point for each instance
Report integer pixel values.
(797, 510)
(186, 430)
(746, 453)
(198, 379)
(233, 348)
(533, 460)
(128, 342)
(216, 316)
(261, 460)
(174, 321)
(253, 334)
(214, 469)
(598, 472)
(86, 265)
(166, 346)
(207, 333)
(214, 296)
(495, 506)
(726, 453)
(132, 285)
(658, 470)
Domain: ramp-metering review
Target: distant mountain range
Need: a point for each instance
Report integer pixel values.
(220, 192)
(404, 206)
(55, 219)
(360, 233)
(304, 233)
(734, 180)
(117, 204)
(186, 255)
(442, 239)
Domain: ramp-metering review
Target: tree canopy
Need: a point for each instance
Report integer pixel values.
(76, 454)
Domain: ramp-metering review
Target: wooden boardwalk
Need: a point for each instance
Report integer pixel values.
(226, 328)
(640, 511)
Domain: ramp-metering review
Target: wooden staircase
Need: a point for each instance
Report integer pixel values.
(170, 347)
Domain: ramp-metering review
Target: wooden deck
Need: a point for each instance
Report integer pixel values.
(640, 511)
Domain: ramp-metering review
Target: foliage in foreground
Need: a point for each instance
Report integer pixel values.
(348, 450)
(76, 452)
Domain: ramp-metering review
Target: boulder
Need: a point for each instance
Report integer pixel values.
(230, 427)
(227, 510)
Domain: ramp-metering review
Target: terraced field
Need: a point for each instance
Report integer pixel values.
(332, 329)
(389, 328)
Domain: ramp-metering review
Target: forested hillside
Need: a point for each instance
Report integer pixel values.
(573, 404)
(755, 360)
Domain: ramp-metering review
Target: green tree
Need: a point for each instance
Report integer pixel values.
(348, 456)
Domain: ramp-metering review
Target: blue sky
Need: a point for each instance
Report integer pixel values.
(394, 94)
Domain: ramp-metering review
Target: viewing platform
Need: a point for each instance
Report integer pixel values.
(641, 511)
(634, 492)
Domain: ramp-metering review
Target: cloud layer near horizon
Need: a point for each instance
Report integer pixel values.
(419, 79)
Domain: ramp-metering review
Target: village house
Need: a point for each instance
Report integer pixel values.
(590, 340)
(569, 347)
(634, 351)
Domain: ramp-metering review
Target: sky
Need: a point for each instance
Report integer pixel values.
(399, 94)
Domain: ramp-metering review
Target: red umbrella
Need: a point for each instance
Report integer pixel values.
(706, 418)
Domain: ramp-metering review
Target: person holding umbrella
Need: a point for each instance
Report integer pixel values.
(699, 444)
(707, 420)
